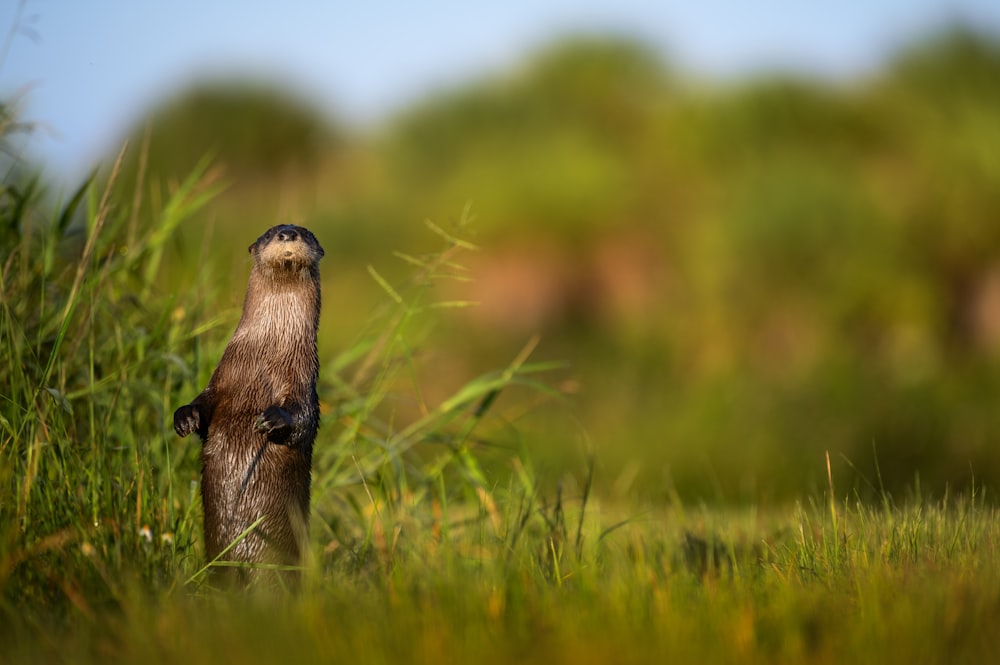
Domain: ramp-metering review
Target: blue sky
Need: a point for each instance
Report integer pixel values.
(86, 69)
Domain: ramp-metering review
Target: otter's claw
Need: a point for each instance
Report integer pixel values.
(275, 423)
(187, 419)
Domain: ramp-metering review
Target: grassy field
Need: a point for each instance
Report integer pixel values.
(434, 539)
(904, 585)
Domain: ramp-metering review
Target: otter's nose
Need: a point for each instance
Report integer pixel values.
(287, 235)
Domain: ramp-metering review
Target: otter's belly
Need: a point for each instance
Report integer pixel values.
(253, 491)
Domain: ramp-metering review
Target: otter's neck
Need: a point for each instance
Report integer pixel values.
(281, 307)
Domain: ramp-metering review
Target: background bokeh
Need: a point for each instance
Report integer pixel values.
(743, 272)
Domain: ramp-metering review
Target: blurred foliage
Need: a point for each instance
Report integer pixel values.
(547, 149)
(743, 276)
(252, 131)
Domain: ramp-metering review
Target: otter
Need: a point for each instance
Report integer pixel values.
(258, 416)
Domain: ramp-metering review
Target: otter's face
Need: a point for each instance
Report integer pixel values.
(287, 246)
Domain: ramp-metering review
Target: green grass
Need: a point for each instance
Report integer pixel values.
(917, 584)
(433, 538)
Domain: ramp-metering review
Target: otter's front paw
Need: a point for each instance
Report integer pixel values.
(275, 423)
(187, 419)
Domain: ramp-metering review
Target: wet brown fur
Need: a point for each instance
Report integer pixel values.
(258, 416)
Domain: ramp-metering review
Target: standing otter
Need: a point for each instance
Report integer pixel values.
(258, 416)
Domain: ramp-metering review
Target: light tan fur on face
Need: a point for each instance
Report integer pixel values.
(285, 254)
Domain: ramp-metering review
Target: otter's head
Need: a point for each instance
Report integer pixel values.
(286, 247)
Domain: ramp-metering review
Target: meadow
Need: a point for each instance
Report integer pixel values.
(703, 373)
(433, 538)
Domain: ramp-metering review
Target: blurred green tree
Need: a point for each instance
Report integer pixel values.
(253, 130)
